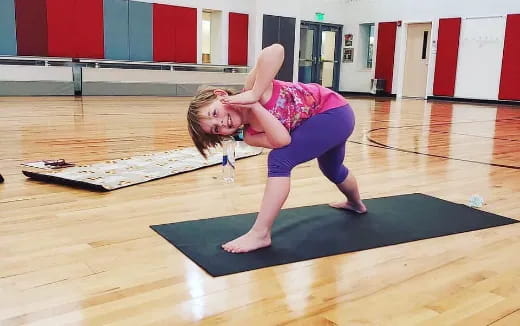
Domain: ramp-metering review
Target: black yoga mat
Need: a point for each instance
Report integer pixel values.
(316, 231)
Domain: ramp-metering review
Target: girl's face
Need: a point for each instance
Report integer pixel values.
(220, 119)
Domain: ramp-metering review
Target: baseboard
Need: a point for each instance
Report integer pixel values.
(36, 88)
(367, 94)
(472, 100)
(100, 88)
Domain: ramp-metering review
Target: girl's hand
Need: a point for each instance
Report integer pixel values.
(247, 97)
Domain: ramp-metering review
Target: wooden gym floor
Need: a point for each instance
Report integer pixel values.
(76, 257)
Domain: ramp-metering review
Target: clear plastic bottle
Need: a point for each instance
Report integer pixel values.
(228, 160)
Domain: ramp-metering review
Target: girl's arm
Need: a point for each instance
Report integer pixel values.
(266, 68)
(258, 140)
(250, 81)
(274, 136)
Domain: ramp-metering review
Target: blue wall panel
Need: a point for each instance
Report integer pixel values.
(116, 29)
(140, 31)
(7, 28)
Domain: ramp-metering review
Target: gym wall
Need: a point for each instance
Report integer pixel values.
(452, 79)
(278, 29)
(7, 28)
(385, 53)
(510, 74)
(455, 34)
(110, 29)
(114, 30)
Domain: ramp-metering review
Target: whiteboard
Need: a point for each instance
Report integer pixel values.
(480, 57)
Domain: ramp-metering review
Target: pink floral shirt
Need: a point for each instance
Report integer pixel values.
(293, 103)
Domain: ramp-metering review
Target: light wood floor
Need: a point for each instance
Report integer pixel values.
(76, 257)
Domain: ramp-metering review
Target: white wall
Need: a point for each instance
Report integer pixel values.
(241, 6)
(479, 66)
(161, 76)
(35, 73)
(220, 22)
(351, 13)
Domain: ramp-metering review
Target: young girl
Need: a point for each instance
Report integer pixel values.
(298, 121)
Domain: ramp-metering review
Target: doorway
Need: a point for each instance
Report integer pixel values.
(416, 60)
(320, 51)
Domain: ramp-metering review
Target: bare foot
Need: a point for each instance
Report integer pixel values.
(248, 242)
(359, 208)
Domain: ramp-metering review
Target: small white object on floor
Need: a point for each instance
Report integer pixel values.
(476, 201)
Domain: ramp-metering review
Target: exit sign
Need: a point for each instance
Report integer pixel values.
(320, 16)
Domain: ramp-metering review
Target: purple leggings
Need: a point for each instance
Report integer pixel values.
(322, 136)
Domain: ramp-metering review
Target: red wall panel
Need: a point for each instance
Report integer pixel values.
(61, 28)
(89, 29)
(238, 39)
(510, 78)
(163, 32)
(447, 55)
(174, 33)
(385, 53)
(31, 27)
(185, 35)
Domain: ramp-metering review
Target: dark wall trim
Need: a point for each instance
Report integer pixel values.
(471, 100)
(435, 98)
(277, 29)
(367, 94)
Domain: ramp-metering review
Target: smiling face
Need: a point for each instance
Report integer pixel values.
(210, 121)
(217, 118)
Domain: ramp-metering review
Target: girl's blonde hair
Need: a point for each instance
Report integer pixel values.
(201, 139)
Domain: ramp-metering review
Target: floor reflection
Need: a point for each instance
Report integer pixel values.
(481, 134)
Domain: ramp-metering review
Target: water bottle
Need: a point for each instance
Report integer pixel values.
(228, 160)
